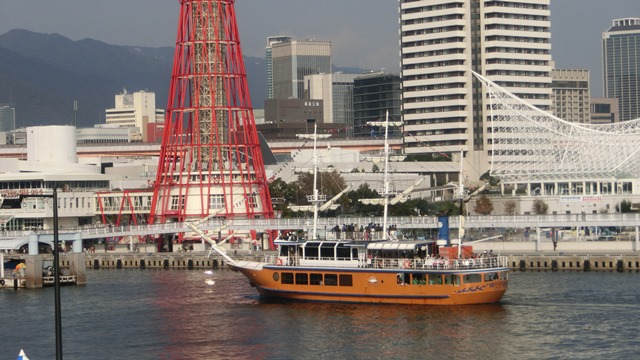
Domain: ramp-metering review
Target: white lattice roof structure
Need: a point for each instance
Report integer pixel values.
(529, 144)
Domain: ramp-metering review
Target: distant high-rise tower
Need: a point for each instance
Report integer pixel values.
(571, 96)
(268, 57)
(621, 66)
(444, 108)
(293, 60)
(210, 158)
(7, 118)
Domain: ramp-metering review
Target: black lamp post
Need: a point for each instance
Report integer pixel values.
(56, 274)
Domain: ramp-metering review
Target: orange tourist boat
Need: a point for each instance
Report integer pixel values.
(402, 272)
(387, 271)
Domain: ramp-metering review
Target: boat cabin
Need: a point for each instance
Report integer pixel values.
(351, 254)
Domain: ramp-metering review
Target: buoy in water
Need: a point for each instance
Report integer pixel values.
(208, 272)
(210, 282)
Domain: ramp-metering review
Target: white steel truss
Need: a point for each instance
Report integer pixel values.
(529, 144)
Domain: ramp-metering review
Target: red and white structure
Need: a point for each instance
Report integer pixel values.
(210, 159)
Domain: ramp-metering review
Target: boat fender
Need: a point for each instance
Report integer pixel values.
(620, 266)
(279, 262)
(407, 264)
(1, 282)
(554, 265)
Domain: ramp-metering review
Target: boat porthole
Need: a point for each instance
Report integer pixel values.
(276, 276)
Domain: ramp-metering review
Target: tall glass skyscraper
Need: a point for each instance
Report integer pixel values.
(292, 60)
(621, 62)
(268, 57)
(7, 118)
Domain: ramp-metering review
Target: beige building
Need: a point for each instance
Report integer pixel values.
(571, 95)
(604, 111)
(135, 110)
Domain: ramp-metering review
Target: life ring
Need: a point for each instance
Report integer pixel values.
(407, 264)
(279, 262)
(1, 282)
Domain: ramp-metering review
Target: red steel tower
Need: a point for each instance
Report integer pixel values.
(210, 159)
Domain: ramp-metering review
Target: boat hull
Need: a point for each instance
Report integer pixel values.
(377, 286)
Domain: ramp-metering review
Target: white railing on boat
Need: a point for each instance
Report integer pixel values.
(482, 262)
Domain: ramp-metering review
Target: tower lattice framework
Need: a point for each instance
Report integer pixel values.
(210, 159)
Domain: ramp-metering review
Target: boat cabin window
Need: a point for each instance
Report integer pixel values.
(435, 279)
(327, 252)
(331, 279)
(418, 279)
(311, 253)
(315, 279)
(472, 278)
(492, 276)
(302, 279)
(451, 279)
(287, 278)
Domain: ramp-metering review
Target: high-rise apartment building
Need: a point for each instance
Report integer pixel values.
(268, 57)
(293, 60)
(444, 108)
(571, 95)
(7, 118)
(135, 110)
(621, 65)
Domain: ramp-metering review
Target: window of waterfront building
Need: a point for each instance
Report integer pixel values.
(331, 279)
(287, 278)
(346, 280)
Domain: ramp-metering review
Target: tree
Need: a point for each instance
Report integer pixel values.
(510, 207)
(375, 168)
(492, 180)
(483, 206)
(624, 206)
(539, 207)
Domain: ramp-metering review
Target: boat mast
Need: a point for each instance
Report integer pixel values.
(461, 196)
(315, 180)
(386, 176)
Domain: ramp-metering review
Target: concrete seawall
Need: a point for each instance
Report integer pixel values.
(570, 256)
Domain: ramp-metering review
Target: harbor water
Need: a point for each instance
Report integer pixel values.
(180, 314)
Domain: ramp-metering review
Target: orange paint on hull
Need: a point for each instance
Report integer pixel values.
(374, 286)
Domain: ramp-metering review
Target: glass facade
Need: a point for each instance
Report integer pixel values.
(7, 118)
(373, 95)
(293, 60)
(621, 52)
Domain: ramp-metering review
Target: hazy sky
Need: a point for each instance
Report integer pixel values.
(364, 33)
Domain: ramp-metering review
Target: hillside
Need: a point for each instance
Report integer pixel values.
(42, 74)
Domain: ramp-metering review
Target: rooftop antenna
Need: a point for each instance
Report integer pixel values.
(75, 113)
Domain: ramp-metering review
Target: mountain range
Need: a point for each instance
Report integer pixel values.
(42, 74)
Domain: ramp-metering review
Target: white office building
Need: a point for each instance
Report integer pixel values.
(445, 109)
(135, 110)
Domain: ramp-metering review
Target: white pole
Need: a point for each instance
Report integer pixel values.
(315, 177)
(1, 265)
(386, 176)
